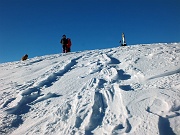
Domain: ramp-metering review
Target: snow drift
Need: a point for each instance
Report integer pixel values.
(132, 90)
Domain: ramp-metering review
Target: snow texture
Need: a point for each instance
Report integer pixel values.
(132, 90)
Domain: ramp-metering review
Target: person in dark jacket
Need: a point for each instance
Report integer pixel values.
(64, 43)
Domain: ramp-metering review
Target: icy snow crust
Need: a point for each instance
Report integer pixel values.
(132, 90)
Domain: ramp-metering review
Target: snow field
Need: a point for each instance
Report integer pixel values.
(125, 90)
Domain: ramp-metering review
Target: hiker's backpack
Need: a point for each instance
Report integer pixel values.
(69, 42)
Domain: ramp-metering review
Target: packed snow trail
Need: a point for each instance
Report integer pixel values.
(125, 90)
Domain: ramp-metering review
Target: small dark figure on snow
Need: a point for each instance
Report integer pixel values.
(64, 43)
(25, 57)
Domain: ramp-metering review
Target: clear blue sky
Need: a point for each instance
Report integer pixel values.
(35, 27)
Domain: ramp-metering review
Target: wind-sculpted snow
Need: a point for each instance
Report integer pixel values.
(125, 90)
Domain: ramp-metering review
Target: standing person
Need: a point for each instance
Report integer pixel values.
(69, 45)
(64, 43)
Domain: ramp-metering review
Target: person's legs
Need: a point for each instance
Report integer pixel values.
(64, 49)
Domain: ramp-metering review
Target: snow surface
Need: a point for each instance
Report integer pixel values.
(132, 90)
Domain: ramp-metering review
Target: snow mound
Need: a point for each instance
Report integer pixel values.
(132, 90)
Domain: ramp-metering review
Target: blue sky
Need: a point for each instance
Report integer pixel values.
(35, 27)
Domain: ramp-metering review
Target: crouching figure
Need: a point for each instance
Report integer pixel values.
(25, 57)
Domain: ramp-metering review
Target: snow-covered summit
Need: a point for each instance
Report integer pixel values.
(132, 90)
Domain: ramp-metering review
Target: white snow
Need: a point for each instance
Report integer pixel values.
(132, 90)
